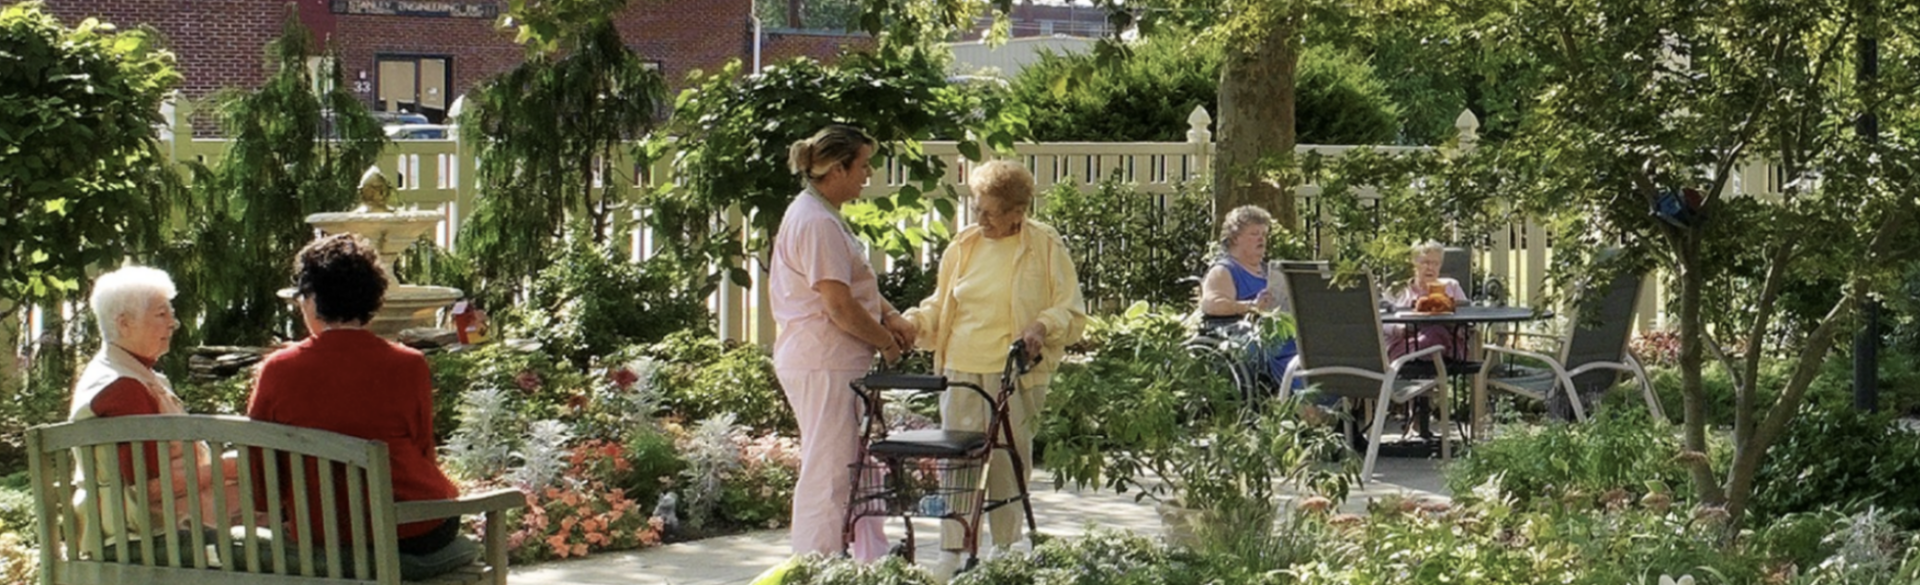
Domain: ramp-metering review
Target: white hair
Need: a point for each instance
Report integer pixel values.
(127, 291)
(1427, 247)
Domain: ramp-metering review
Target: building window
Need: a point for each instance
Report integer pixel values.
(415, 84)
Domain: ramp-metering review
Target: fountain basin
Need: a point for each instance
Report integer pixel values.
(407, 306)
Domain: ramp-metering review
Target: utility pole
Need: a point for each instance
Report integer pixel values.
(1866, 343)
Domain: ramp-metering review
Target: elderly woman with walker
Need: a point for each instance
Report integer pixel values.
(1005, 278)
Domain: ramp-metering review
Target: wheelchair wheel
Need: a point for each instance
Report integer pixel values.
(1223, 363)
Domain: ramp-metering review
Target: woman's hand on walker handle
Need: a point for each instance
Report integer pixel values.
(1036, 337)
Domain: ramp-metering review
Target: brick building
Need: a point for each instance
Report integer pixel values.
(409, 55)
(418, 55)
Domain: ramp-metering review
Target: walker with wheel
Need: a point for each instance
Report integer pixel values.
(933, 473)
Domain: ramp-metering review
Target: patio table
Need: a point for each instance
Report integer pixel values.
(1459, 365)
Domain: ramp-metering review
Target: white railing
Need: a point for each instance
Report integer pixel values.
(433, 176)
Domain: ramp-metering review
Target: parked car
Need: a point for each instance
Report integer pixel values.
(417, 132)
(399, 118)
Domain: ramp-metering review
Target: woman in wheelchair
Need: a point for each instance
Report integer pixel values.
(1235, 290)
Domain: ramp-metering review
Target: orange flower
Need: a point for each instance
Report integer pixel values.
(580, 550)
(559, 544)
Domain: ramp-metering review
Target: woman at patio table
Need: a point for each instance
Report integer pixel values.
(1426, 272)
(1004, 278)
(1236, 285)
(832, 319)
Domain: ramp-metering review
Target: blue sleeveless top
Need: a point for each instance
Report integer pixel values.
(1246, 285)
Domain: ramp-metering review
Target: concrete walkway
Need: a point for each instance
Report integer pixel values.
(738, 559)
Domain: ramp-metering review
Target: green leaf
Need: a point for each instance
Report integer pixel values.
(969, 149)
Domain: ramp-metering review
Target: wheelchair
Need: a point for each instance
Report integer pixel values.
(934, 473)
(1225, 345)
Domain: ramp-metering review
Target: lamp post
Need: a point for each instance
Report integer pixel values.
(1866, 343)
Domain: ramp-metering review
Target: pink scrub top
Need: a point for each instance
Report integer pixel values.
(815, 245)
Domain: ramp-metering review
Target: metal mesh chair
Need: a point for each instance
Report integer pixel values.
(1589, 361)
(1342, 353)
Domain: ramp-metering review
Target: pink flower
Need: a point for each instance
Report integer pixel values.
(528, 380)
(623, 378)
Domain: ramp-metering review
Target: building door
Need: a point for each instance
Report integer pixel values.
(415, 84)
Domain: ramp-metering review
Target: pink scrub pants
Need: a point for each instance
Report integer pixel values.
(829, 417)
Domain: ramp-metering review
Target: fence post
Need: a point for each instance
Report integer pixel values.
(1202, 140)
(466, 170)
(180, 139)
(1468, 126)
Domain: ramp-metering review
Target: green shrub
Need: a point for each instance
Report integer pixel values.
(1102, 557)
(703, 377)
(1138, 394)
(1620, 448)
(821, 570)
(17, 508)
(590, 301)
(1338, 98)
(453, 375)
(1838, 457)
(224, 396)
(1131, 246)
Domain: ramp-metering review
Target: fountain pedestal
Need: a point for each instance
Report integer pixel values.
(406, 305)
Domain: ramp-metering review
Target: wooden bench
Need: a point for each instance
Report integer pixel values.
(254, 548)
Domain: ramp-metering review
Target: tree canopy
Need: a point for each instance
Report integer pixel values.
(83, 182)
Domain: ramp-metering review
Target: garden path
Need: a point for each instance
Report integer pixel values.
(738, 559)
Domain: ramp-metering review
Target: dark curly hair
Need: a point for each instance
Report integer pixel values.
(342, 274)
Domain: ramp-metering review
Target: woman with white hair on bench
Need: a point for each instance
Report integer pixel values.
(133, 306)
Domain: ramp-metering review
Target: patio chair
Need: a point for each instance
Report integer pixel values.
(1457, 263)
(1589, 361)
(1342, 353)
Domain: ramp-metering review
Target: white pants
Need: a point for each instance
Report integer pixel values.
(829, 417)
(961, 409)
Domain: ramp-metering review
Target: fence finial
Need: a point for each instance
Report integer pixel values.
(1197, 123)
(1468, 125)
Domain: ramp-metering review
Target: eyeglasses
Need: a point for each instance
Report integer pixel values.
(980, 211)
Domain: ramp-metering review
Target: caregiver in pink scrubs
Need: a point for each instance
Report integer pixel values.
(832, 320)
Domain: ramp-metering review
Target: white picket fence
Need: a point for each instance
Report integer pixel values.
(432, 175)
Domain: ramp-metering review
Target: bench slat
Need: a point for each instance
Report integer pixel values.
(276, 519)
(198, 538)
(223, 540)
(91, 512)
(302, 516)
(96, 572)
(168, 513)
(357, 515)
(196, 427)
(142, 506)
(329, 519)
(243, 465)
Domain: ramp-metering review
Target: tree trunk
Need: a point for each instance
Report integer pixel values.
(1692, 359)
(9, 340)
(1256, 122)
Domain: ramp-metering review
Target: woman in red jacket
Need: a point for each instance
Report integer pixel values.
(345, 379)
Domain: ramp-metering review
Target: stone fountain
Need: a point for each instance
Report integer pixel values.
(392, 232)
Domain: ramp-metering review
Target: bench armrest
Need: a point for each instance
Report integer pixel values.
(493, 501)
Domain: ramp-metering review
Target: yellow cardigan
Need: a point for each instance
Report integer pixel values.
(1046, 289)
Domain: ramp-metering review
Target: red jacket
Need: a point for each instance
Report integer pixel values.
(352, 382)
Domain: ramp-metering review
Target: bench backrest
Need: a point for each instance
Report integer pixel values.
(78, 484)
